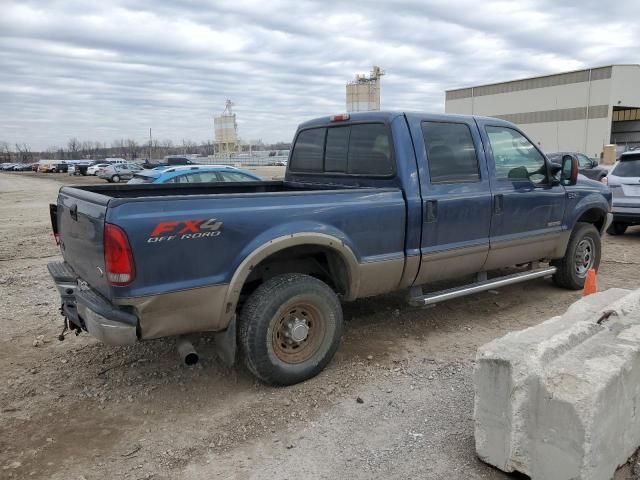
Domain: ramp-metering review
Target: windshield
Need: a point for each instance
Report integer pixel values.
(141, 179)
(627, 168)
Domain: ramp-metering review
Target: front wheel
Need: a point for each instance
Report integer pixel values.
(290, 328)
(583, 253)
(115, 179)
(617, 228)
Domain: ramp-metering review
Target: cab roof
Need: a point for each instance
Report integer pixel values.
(389, 116)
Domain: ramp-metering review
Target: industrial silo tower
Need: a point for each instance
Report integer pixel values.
(363, 94)
(226, 130)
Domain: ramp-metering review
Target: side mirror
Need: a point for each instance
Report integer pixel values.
(570, 169)
(594, 163)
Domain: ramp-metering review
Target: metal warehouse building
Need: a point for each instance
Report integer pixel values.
(576, 111)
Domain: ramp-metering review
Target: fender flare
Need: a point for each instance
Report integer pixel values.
(280, 243)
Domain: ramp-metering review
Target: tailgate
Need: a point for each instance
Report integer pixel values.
(80, 219)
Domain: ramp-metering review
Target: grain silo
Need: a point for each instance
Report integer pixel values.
(226, 130)
(363, 93)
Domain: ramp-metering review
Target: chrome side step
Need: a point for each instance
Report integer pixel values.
(450, 293)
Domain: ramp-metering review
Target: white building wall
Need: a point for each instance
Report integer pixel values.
(626, 86)
(568, 102)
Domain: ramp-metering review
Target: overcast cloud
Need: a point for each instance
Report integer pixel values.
(111, 69)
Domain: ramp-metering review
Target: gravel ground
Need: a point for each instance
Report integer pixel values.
(396, 402)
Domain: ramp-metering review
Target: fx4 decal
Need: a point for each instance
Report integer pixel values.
(184, 230)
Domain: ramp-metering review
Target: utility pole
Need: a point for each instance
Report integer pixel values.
(150, 143)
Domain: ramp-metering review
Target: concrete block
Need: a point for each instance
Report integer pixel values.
(561, 400)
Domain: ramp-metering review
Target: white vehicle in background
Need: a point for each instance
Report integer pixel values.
(93, 169)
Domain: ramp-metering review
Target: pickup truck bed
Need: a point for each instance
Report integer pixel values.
(371, 203)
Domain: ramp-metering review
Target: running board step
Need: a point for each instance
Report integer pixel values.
(442, 295)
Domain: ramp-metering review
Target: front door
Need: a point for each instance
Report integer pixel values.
(528, 206)
(456, 197)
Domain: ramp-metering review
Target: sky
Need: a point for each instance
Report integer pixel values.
(113, 69)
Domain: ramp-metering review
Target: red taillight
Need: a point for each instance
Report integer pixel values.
(118, 259)
(343, 117)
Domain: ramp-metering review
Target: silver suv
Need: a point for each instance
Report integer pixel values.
(624, 181)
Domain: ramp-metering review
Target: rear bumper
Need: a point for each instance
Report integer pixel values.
(626, 214)
(90, 311)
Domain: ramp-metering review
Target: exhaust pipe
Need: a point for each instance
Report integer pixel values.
(187, 353)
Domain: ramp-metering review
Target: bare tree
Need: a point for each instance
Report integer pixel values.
(119, 148)
(23, 153)
(5, 152)
(132, 148)
(73, 148)
(208, 148)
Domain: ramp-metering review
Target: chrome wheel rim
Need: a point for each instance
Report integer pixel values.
(584, 256)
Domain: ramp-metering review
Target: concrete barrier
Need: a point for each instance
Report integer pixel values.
(561, 400)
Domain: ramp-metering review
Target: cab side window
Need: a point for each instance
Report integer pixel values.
(451, 154)
(584, 161)
(515, 157)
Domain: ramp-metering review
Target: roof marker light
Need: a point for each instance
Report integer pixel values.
(340, 118)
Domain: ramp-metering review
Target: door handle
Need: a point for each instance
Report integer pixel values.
(431, 210)
(73, 211)
(498, 204)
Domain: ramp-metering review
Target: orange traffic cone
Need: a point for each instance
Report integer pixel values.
(590, 285)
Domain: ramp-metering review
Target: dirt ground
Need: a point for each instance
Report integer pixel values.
(396, 402)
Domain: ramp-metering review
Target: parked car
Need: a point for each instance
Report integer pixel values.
(93, 169)
(80, 168)
(22, 167)
(371, 203)
(624, 182)
(119, 171)
(7, 166)
(52, 166)
(588, 166)
(170, 161)
(194, 174)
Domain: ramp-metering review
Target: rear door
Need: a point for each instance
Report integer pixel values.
(528, 207)
(456, 197)
(80, 217)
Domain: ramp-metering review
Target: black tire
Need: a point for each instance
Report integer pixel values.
(115, 179)
(573, 267)
(617, 228)
(267, 318)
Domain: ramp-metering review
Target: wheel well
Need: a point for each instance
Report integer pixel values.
(594, 216)
(317, 261)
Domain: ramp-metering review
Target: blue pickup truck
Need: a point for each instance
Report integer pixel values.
(371, 203)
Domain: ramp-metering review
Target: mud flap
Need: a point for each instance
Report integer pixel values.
(226, 343)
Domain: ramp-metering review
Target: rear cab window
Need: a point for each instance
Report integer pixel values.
(627, 166)
(356, 149)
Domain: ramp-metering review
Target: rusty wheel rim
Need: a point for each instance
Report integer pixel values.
(298, 332)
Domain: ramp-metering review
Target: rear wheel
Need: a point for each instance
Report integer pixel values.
(290, 328)
(583, 253)
(617, 228)
(115, 179)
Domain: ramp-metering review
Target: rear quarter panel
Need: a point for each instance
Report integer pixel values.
(370, 222)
